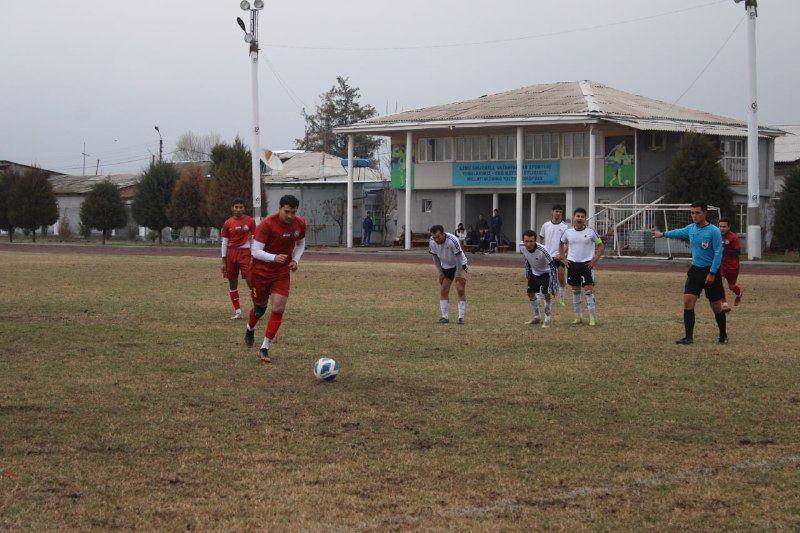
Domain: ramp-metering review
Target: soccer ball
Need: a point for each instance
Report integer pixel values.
(326, 369)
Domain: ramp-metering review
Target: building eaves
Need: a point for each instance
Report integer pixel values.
(787, 148)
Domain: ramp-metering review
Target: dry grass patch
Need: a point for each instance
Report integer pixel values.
(127, 401)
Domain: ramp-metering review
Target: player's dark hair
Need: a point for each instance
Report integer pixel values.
(701, 204)
(529, 233)
(237, 201)
(436, 228)
(557, 206)
(725, 219)
(579, 210)
(290, 200)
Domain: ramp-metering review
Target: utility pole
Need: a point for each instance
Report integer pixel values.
(252, 39)
(753, 195)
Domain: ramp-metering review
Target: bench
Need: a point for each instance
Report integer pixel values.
(502, 248)
(471, 248)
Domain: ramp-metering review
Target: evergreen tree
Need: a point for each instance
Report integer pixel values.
(696, 174)
(32, 202)
(7, 181)
(231, 177)
(787, 212)
(338, 107)
(103, 209)
(186, 205)
(152, 196)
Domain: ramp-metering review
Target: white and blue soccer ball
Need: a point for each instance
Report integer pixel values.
(326, 369)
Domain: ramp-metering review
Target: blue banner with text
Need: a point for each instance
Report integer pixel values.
(504, 173)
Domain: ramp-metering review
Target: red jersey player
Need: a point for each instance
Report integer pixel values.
(278, 245)
(237, 234)
(729, 269)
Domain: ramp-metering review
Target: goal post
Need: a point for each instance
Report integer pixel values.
(627, 229)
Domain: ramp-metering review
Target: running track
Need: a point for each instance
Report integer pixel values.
(388, 255)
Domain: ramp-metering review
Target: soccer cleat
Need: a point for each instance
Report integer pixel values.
(578, 320)
(535, 320)
(738, 298)
(237, 315)
(723, 340)
(546, 323)
(461, 321)
(263, 354)
(249, 337)
(726, 308)
(685, 340)
(592, 322)
(443, 320)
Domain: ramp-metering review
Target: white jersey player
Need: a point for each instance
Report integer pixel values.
(550, 236)
(540, 271)
(451, 263)
(581, 248)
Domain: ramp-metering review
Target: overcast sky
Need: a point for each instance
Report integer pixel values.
(104, 73)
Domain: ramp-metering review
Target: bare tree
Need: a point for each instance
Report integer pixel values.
(195, 147)
(387, 207)
(335, 208)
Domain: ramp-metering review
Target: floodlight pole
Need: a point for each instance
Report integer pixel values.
(255, 149)
(160, 146)
(753, 199)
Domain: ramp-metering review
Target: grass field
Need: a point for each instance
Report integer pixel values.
(127, 401)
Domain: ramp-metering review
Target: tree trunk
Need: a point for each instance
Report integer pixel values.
(103, 237)
(34, 235)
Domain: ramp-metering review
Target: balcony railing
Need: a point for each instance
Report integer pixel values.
(736, 169)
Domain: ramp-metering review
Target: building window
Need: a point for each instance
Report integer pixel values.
(541, 146)
(436, 150)
(504, 147)
(472, 148)
(741, 217)
(734, 160)
(427, 206)
(576, 145)
(658, 141)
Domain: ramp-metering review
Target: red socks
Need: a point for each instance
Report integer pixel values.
(273, 324)
(234, 294)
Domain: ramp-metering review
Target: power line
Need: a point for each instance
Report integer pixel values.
(713, 58)
(289, 92)
(494, 41)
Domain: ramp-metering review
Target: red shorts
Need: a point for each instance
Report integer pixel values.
(261, 288)
(730, 275)
(237, 260)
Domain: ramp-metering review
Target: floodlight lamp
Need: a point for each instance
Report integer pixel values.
(245, 5)
(241, 24)
(258, 4)
(248, 37)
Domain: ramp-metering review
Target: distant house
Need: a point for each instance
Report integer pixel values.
(523, 150)
(787, 154)
(318, 180)
(71, 191)
(10, 167)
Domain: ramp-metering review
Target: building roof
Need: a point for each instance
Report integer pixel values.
(787, 148)
(83, 184)
(11, 166)
(554, 103)
(315, 167)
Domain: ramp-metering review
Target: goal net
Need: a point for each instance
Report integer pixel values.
(627, 229)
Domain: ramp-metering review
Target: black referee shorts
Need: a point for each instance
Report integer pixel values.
(696, 283)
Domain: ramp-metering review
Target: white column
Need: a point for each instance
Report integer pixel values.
(592, 155)
(569, 206)
(459, 200)
(753, 200)
(350, 190)
(409, 162)
(256, 148)
(518, 203)
(533, 213)
(495, 203)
